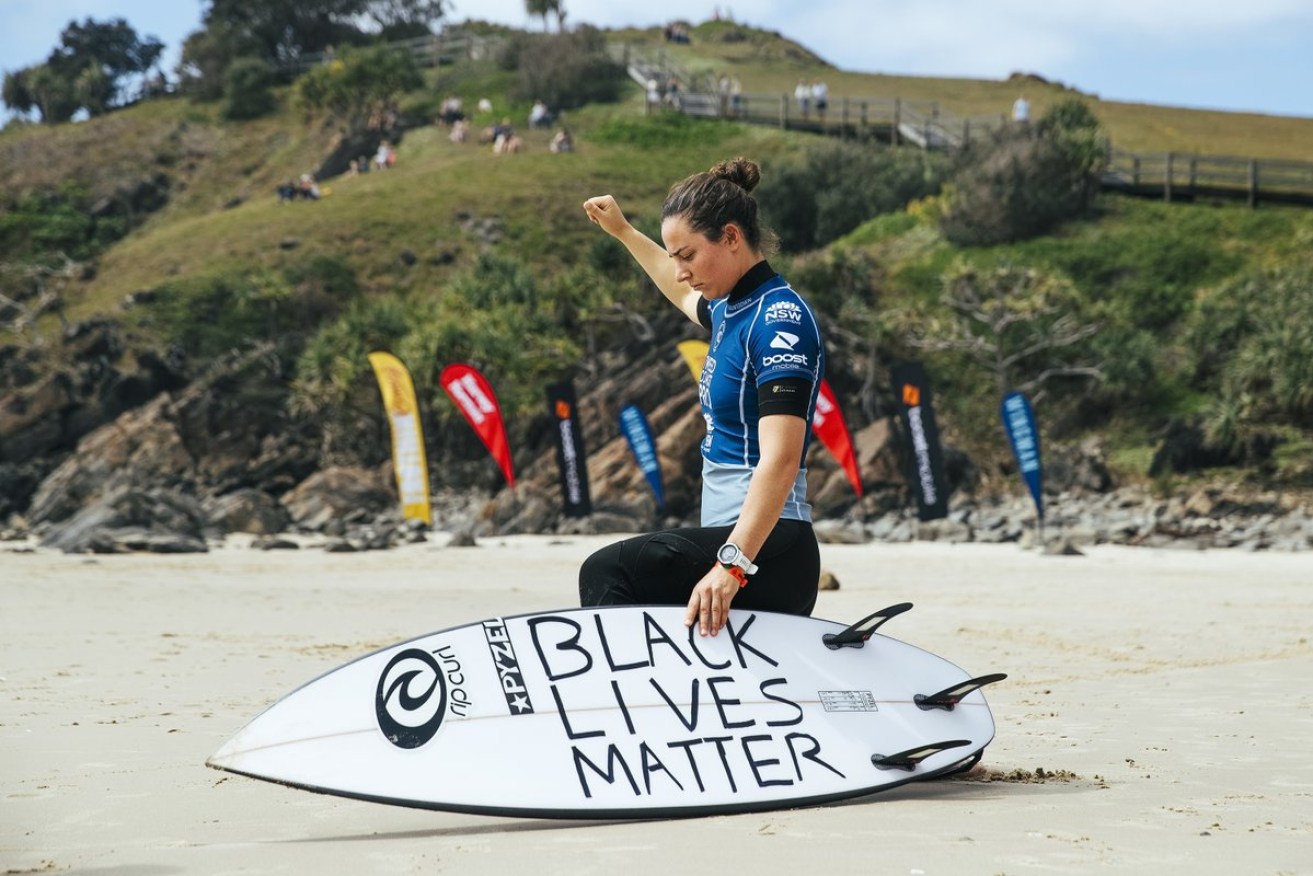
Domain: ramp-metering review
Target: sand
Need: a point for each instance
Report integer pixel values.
(1157, 718)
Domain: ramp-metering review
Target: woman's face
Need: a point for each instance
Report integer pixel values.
(712, 268)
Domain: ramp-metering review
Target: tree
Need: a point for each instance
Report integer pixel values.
(543, 8)
(1020, 325)
(360, 86)
(281, 31)
(85, 71)
(398, 18)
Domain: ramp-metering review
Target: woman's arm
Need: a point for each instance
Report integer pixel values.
(650, 255)
(780, 437)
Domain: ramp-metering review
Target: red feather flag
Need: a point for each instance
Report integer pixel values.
(828, 425)
(476, 400)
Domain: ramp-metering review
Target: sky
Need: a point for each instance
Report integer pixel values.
(1242, 55)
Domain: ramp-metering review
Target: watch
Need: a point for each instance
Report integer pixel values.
(731, 556)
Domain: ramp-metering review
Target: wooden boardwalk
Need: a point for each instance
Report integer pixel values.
(1172, 176)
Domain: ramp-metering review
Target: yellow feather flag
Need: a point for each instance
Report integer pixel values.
(695, 354)
(408, 458)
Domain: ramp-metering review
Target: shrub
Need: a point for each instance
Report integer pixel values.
(838, 186)
(247, 91)
(1022, 183)
(565, 70)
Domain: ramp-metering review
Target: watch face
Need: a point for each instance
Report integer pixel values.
(728, 553)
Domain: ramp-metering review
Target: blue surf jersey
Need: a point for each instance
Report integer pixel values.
(763, 331)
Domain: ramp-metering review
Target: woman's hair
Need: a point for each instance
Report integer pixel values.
(711, 200)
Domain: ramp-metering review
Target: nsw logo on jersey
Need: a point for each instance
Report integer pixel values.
(784, 311)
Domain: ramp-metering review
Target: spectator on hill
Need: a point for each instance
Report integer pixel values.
(385, 157)
(1021, 111)
(802, 93)
(504, 138)
(453, 110)
(653, 93)
(820, 97)
(539, 115)
(562, 141)
(735, 95)
(673, 99)
(309, 187)
(460, 132)
(485, 105)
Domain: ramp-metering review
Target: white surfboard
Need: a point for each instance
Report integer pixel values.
(623, 712)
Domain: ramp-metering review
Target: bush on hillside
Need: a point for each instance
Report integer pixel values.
(1024, 182)
(209, 315)
(565, 70)
(248, 89)
(361, 86)
(40, 225)
(838, 186)
(1254, 338)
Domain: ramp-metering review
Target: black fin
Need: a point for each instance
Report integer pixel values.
(908, 760)
(949, 697)
(856, 635)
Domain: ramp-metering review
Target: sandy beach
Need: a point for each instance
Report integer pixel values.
(1157, 717)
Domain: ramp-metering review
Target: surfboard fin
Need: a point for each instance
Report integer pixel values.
(949, 697)
(857, 634)
(909, 759)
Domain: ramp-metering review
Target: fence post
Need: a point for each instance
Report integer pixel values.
(1167, 180)
(898, 119)
(845, 117)
(1135, 171)
(784, 112)
(1253, 182)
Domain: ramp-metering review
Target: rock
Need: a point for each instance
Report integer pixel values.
(336, 493)
(247, 510)
(131, 519)
(839, 532)
(274, 543)
(828, 581)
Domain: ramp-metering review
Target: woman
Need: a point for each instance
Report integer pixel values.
(756, 547)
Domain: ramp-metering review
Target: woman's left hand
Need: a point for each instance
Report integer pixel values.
(708, 607)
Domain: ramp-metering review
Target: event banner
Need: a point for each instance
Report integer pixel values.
(695, 356)
(1019, 421)
(476, 400)
(571, 460)
(408, 458)
(635, 428)
(829, 425)
(912, 390)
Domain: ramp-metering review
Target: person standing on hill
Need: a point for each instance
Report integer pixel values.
(755, 547)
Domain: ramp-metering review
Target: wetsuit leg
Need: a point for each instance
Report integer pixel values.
(663, 567)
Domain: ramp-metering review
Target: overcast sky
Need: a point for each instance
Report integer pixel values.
(1249, 55)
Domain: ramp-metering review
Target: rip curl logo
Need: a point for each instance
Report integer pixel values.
(411, 699)
(784, 311)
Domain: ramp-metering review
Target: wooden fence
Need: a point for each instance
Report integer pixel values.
(446, 47)
(1173, 176)
(1184, 176)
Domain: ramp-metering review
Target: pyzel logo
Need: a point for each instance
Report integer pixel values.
(784, 311)
(411, 699)
(784, 341)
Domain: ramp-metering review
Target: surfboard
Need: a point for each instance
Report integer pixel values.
(622, 712)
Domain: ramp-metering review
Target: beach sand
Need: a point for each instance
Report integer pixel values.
(1157, 717)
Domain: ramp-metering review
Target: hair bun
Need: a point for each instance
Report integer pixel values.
(743, 172)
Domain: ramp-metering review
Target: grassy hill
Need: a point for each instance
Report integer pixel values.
(409, 233)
